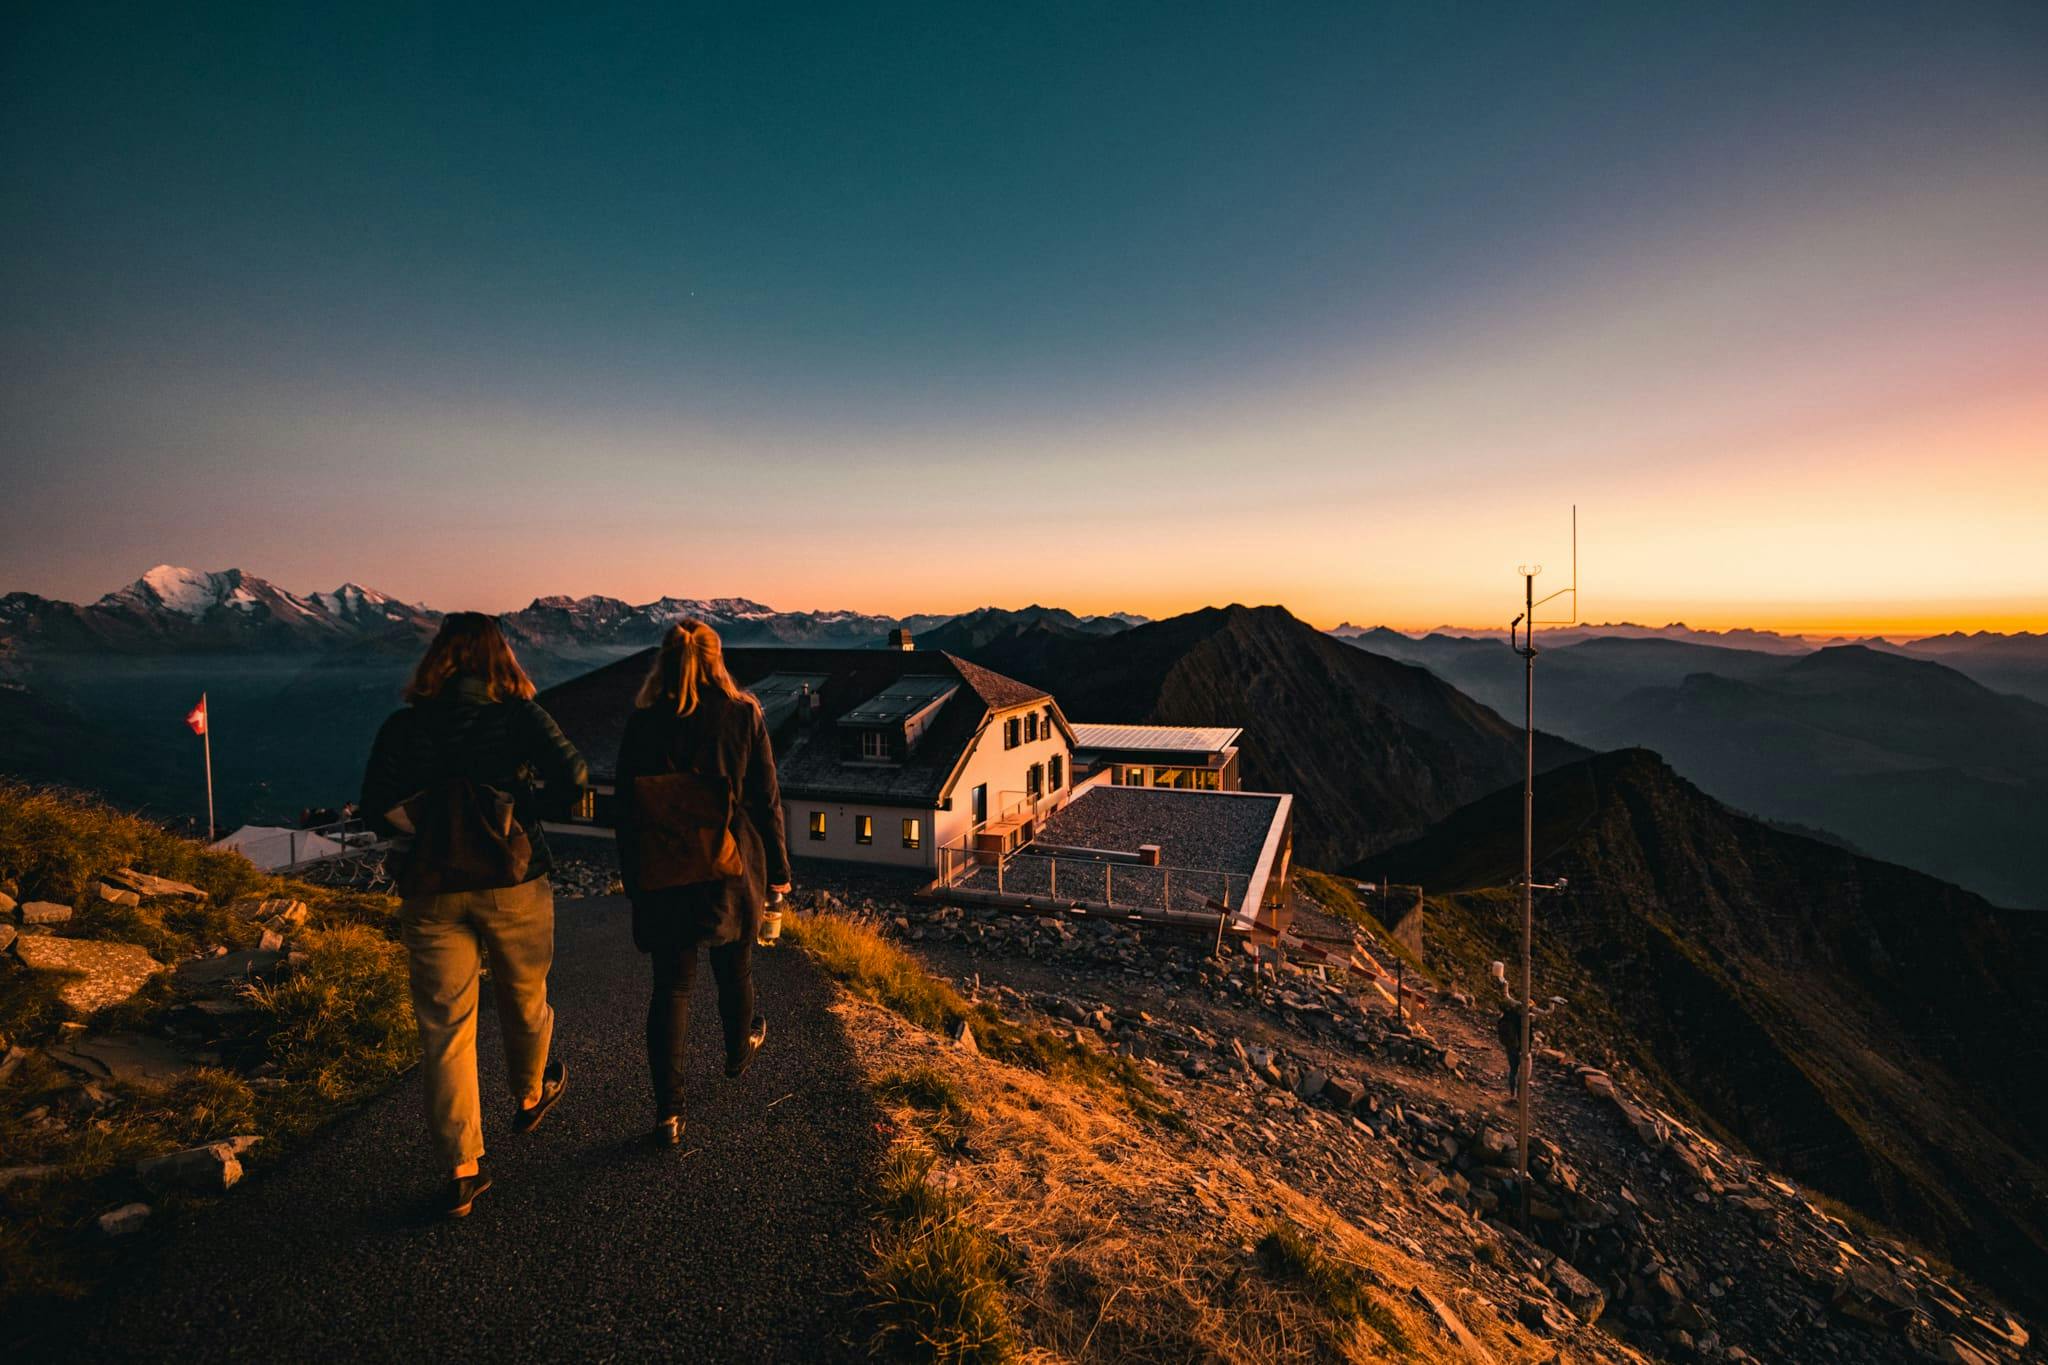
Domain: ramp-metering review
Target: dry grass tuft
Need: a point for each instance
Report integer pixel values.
(937, 1289)
(1290, 1258)
(876, 970)
(54, 843)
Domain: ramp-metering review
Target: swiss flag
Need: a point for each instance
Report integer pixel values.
(197, 719)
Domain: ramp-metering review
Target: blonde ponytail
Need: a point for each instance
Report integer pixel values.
(692, 658)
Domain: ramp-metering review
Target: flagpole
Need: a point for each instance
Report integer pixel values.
(206, 736)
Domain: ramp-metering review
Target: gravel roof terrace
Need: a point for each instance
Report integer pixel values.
(1209, 849)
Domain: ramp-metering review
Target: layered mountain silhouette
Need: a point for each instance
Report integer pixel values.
(1899, 755)
(1865, 1027)
(1374, 750)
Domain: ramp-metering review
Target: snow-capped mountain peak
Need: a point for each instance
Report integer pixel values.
(188, 592)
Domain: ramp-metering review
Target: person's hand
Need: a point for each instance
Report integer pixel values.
(780, 889)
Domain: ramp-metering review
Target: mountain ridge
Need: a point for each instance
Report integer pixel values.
(1373, 749)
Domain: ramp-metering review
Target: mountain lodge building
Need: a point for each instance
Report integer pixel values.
(924, 761)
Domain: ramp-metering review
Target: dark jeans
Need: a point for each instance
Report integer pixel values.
(668, 1013)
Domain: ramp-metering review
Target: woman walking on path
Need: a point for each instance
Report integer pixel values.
(462, 778)
(700, 847)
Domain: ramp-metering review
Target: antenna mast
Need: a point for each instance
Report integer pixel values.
(1526, 647)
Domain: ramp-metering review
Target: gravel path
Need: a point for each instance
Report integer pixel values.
(741, 1245)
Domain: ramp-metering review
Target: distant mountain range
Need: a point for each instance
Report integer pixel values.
(2015, 663)
(1900, 755)
(93, 694)
(170, 609)
(1869, 1029)
(1373, 750)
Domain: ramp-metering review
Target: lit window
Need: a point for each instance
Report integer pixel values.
(817, 824)
(913, 833)
(1134, 777)
(586, 805)
(863, 829)
(874, 744)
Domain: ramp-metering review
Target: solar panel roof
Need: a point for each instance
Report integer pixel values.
(779, 693)
(902, 699)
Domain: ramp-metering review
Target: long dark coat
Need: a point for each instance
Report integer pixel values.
(720, 738)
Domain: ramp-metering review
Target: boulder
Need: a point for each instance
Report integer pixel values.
(114, 895)
(16, 1055)
(1598, 1084)
(271, 942)
(229, 967)
(10, 1174)
(94, 975)
(8, 933)
(143, 884)
(211, 1169)
(1311, 1083)
(6, 904)
(44, 912)
(124, 1220)
(131, 1058)
(1492, 1148)
(962, 1034)
(1957, 1351)
(1343, 1091)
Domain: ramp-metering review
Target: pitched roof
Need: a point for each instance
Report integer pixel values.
(592, 711)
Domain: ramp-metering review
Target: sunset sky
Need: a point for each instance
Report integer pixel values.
(1114, 306)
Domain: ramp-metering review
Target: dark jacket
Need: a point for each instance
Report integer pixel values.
(720, 738)
(511, 745)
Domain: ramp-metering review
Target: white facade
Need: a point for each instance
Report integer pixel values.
(1002, 772)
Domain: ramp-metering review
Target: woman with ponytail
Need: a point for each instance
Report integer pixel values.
(700, 847)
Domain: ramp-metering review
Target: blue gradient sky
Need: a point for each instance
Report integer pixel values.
(1121, 306)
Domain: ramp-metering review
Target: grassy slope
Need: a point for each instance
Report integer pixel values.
(1038, 1212)
(334, 1030)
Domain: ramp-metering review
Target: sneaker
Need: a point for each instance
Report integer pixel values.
(755, 1037)
(553, 1082)
(669, 1132)
(462, 1192)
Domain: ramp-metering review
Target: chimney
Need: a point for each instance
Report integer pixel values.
(1148, 855)
(899, 638)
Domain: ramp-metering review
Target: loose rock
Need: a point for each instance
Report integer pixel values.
(212, 1169)
(94, 975)
(124, 1220)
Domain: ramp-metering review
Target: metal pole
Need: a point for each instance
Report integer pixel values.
(1528, 877)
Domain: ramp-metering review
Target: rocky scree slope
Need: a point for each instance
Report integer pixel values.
(1865, 1028)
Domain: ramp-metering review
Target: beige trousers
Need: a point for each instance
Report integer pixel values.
(448, 936)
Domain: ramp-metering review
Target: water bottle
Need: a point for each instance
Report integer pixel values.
(771, 920)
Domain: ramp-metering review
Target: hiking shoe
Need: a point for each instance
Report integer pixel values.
(668, 1132)
(756, 1036)
(462, 1192)
(553, 1082)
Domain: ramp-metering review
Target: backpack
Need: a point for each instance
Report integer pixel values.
(684, 821)
(466, 837)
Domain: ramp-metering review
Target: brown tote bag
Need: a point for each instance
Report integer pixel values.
(684, 820)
